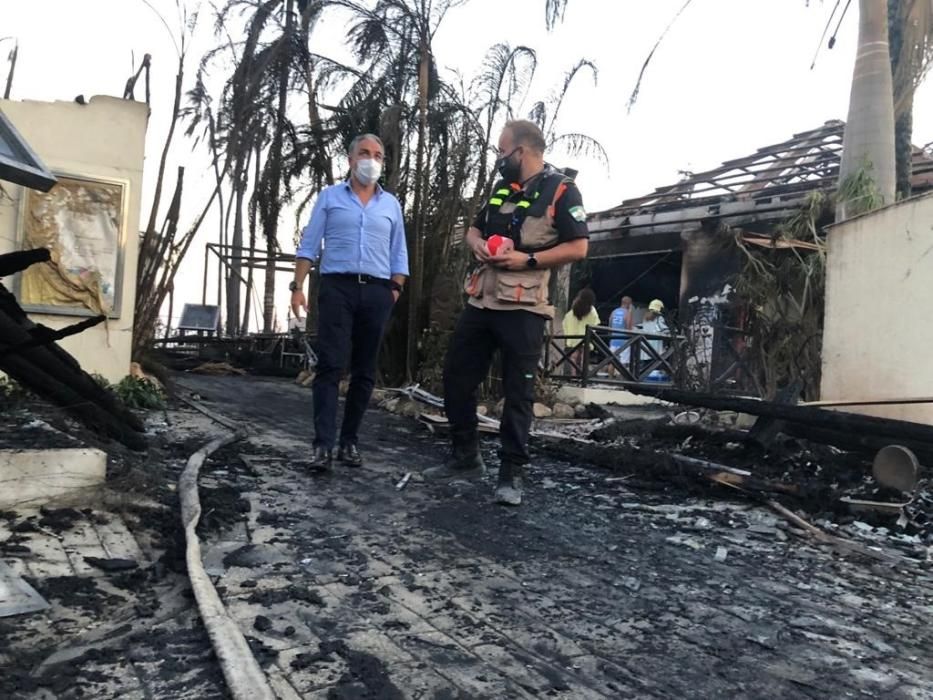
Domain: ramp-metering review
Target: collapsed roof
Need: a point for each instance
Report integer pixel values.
(754, 192)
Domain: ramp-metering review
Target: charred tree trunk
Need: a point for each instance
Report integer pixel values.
(416, 246)
(272, 207)
(148, 301)
(903, 103)
(248, 302)
(236, 249)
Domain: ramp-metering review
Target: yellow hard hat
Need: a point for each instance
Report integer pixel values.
(657, 306)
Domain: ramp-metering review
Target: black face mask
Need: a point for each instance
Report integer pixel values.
(508, 168)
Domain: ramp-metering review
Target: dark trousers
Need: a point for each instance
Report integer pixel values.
(518, 335)
(351, 322)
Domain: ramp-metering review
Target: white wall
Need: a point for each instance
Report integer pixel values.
(104, 138)
(878, 335)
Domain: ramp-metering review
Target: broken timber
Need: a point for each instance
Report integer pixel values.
(817, 418)
(53, 374)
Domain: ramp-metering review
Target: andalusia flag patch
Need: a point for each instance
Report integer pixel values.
(578, 213)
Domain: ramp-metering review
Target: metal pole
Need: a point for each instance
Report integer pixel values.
(207, 251)
(171, 309)
(220, 279)
(585, 370)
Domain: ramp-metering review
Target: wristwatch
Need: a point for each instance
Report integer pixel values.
(293, 286)
(532, 261)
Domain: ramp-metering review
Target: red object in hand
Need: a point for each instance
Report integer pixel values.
(493, 243)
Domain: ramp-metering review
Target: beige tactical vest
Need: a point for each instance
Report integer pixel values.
(516, 290)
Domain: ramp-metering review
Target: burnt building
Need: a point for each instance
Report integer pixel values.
(665, 244)
(654, 245)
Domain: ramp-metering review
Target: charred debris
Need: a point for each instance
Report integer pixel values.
(30, 354)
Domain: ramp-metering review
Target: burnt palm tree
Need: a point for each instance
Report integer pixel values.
(272, 63)
(503, 83)
(161, 250)
(437, 134)
(910, 33)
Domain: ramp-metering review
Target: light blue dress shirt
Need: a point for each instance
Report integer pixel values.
(357, 239)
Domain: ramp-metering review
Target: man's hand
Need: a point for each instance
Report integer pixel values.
(395, 295)
(509, 260)
(480, 251)
(299, 302)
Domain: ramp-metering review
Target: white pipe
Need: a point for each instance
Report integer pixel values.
(242, 672)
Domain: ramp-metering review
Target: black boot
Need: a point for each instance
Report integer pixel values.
(464, 462)
(509, 490)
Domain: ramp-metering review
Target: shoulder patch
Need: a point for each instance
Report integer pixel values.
(578, 213)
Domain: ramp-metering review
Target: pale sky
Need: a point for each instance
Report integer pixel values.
(730, 77)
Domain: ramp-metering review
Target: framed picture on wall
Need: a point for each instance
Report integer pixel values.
(82, 221)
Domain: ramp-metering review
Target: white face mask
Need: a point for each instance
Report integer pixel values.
(367, 170)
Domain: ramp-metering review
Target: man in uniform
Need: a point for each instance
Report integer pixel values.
(363, 267)
(539, 213)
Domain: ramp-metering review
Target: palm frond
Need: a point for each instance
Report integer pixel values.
(569, 77)
(641, 74)
(578, 145)
(505, 77)
(538, 114)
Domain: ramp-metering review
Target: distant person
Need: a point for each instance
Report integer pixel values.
(581, 315)
(655, 324)
(540, 212)
(363, 267)
(621, 319)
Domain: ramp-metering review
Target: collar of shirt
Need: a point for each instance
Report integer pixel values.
(349, 187)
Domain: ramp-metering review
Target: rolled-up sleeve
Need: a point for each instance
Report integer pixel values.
(398, 252)
(313, 233)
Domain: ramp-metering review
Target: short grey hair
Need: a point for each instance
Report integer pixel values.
(365, 137)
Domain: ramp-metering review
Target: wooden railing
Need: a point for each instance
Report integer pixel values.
(650, 357)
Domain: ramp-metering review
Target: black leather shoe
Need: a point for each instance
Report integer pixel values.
(321, 459)
(350, 455)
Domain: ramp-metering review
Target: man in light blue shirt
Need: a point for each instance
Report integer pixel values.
(357, 232)
(621, 319)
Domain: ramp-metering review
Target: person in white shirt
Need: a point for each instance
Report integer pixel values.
(655, 324)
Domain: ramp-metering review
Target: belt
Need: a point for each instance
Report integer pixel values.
(358, 278)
